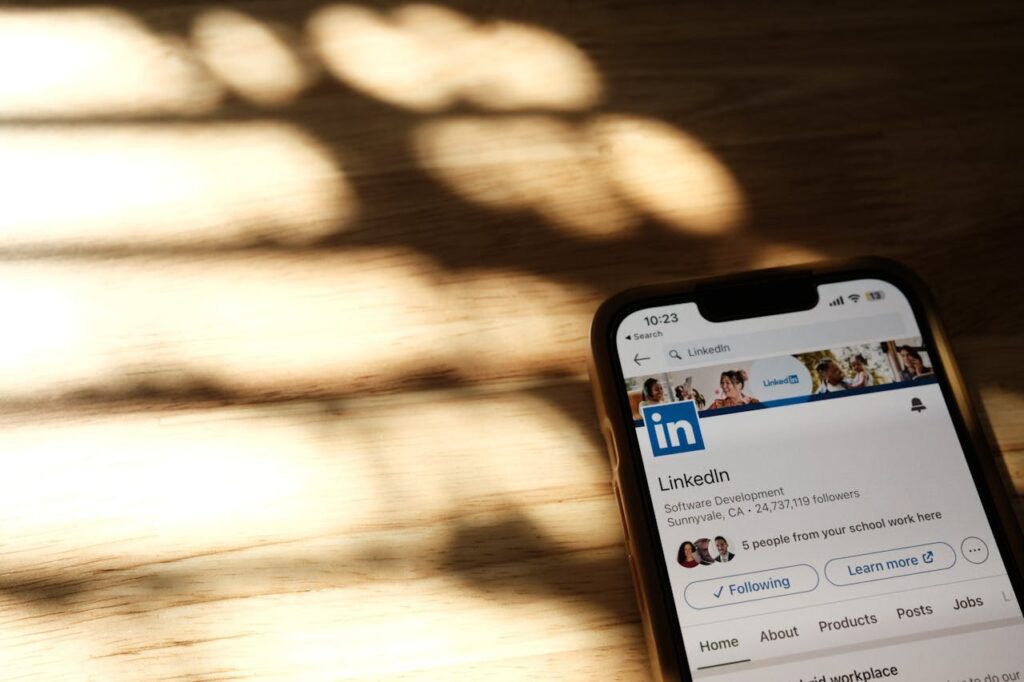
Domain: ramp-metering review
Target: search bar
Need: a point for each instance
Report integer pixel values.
(807, 337)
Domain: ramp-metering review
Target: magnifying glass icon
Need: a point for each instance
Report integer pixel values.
(674, 354)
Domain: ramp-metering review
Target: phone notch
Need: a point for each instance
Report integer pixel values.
(789, 292)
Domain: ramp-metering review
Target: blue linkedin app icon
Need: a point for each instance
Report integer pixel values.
(673, 428)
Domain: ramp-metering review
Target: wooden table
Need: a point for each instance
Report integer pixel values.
(297, 298)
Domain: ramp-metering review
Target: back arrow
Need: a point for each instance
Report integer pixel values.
(637, 359)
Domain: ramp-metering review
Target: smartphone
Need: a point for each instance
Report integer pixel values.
(829, 510)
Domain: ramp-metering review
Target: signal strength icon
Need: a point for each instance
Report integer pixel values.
(836, 301)
(853, 297)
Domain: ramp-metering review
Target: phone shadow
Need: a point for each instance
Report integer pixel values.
(512, 558)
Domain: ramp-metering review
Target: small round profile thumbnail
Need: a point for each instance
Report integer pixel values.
(704, 552)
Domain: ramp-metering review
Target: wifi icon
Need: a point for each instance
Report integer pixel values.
(853, 297)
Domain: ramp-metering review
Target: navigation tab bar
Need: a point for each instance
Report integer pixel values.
(804, 630)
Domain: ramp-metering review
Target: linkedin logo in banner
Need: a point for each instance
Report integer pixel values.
(673, 428)
(778, 378)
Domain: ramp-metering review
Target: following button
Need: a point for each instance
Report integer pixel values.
(744, 587)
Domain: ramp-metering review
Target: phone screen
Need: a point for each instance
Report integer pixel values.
(817, 514)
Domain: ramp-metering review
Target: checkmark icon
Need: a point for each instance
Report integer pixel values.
(718, 592)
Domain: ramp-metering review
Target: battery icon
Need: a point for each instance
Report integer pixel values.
(875, 295)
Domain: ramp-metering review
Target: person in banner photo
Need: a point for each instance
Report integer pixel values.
(687, 391)
(653, 393)
(832, 378)
(731, 385)
(914, 364)
(861, 375)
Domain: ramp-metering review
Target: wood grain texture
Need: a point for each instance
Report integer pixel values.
(268, 268)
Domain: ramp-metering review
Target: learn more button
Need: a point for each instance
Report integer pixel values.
(890, 563)
(744, 587)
